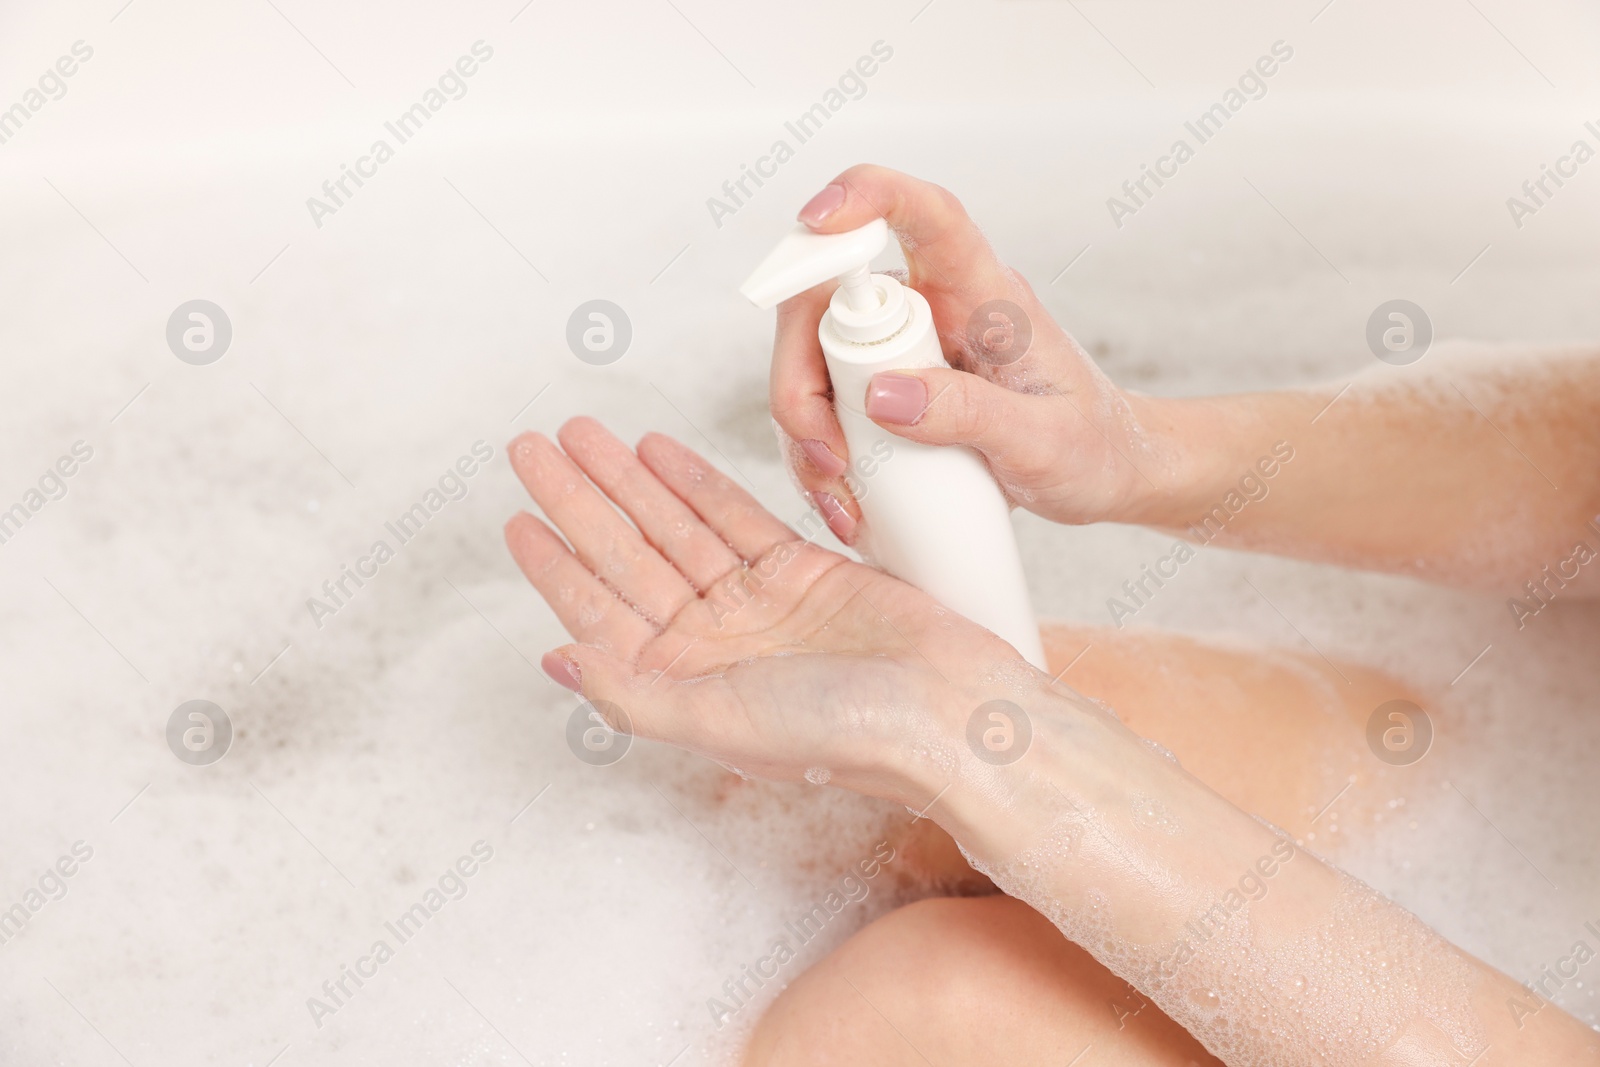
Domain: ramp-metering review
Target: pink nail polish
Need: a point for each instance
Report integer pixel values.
(822, 457)
(839, 520)
(563, 671)
(897, 399)
(822, 205)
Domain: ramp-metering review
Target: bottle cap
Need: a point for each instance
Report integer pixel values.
(866, 309)
(803, 260)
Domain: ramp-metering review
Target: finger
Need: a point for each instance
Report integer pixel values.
(801, 394)
(815, 451)
(589, 610)
(627, 699)
(749, 529)
(830, 498)
(951, 407)
(944, 249)
(606, 543)
(669, 524)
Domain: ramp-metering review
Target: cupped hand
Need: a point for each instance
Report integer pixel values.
(714, 627)
(1060, 438)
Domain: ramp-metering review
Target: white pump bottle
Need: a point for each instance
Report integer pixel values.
(938, 519)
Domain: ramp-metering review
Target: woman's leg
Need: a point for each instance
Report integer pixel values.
(971, 980)
(1277, 732)
(983, 980)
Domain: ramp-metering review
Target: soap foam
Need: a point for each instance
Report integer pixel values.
(407, 726)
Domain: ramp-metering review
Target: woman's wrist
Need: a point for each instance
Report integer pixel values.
(1199, 450)
(1161, 460)
(992, 779)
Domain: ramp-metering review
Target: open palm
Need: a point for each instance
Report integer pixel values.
(714, 627)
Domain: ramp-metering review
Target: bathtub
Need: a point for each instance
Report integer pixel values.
(400, 734)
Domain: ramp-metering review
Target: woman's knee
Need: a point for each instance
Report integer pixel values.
(962, 980)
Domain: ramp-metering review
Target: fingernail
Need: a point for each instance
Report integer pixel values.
(562, 670)
(822, 457)
(897, 399)
(839, 520)
(822, 205)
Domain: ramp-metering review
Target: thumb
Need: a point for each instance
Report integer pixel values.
(612, 685)
(938, 406)
(945, 251)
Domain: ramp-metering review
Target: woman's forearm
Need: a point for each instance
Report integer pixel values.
(1263, 952)
(1478, 468)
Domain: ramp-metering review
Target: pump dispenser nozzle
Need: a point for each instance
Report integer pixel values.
(857, 287)
(804, 259)
(866, 309)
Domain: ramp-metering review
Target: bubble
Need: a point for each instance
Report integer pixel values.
(1152, 813)
(818, 775)
(1160, 749)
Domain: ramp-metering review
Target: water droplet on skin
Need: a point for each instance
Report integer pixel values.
(1150, 812)
(1160, 749)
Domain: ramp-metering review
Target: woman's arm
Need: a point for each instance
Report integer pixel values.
(1476, 467)
(1259, 949)
(1480, 467)
(715, 629)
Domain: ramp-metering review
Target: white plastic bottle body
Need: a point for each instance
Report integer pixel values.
(936, 516)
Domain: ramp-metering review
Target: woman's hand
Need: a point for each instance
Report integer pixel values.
(712, 626)
(1059, 437)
